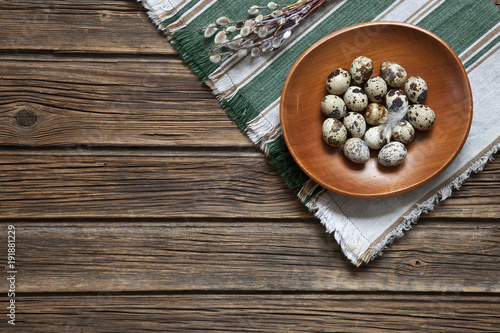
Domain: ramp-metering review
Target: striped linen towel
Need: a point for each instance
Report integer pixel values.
(250, 92)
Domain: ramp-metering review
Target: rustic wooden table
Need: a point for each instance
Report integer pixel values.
(138, 205)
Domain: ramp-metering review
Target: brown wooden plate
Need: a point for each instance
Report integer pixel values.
(421, 53)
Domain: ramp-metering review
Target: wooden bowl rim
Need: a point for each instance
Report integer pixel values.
(363, 25)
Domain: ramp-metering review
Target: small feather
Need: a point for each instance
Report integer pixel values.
(396, 114)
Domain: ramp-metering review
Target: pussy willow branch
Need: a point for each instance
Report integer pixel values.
(258, 35)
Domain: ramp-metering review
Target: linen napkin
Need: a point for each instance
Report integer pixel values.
(250, 89)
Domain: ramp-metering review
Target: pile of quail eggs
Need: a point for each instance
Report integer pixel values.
(359, 105)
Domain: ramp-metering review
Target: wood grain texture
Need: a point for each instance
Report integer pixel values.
(244, 255)
(155, 101)
(155, 184)
(85, 182)
(140, 206)
(260, 313)
(480, 189)
(79, 26)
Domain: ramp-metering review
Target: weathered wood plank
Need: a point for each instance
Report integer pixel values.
(186, 184)
(478, 197)
(83, 182)
(215, 228)
(236, 255)
(259, 313)
(79, 26)
(51, 101)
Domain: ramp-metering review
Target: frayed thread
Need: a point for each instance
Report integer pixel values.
(190, 49)
(347, 235)
(429, 205)
(266, 127)
(236, 104)
(354, 245)
(239, 109)
(156, 10)
(280, 157)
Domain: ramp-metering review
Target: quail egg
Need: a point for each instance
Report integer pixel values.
(334, 132)
(338, 81)
(393, 74)
(333, 106)
(395, 99)
(355, 124)
(416, 89)
(421, 117)
(374, 113)
(375, 89)
(374, 137)
(356, 150)
(355, 99)
(392, 154)
(403, 132)
(361, 69)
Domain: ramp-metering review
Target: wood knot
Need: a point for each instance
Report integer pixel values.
(416, 263)
(26, 117)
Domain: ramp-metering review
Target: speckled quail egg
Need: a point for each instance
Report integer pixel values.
(374, 137)
(333, 106)
(395, 99)
(338, 81)
(393, 74)
(355, 124)
(374, 113)
(361, 69)
(375, 89)
(334, 132)
(356, 150)
(392, 154)
(355, 99)
(403, 132)
(421, 117)
(416, 89)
